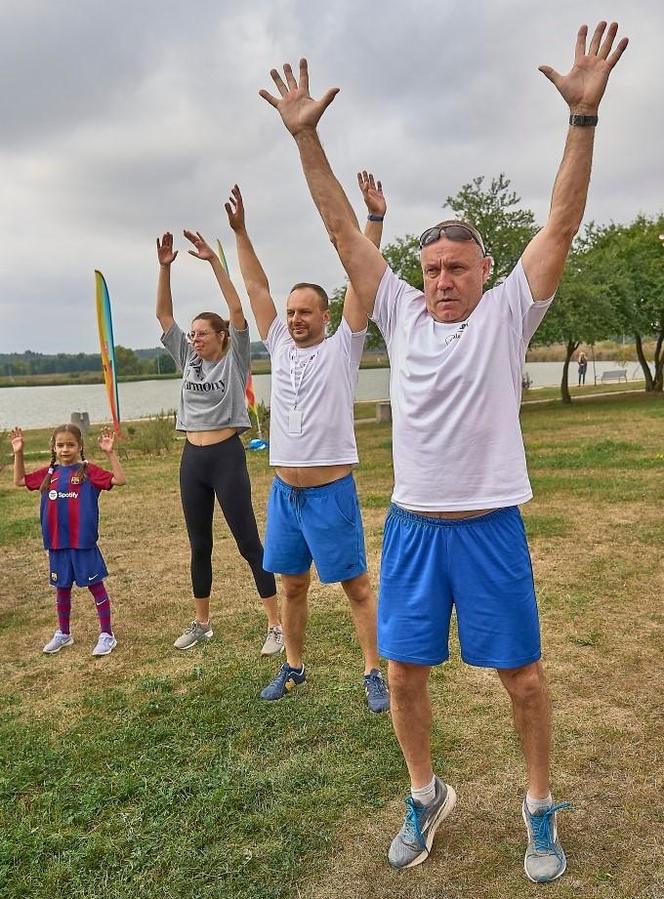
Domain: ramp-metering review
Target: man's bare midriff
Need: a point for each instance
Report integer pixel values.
(474, 513)
(314, 476)
(207, 438)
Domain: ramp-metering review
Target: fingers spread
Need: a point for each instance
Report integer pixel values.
(290, 78)
(618, 52)
(304, 75)
(580, 49)
(279, 82)
(550, 73)
(596, 39)
(270, 99)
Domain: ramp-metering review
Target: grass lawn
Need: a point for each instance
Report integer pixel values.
(152, 773)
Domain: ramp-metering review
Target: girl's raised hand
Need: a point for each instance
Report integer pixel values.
(16, 439)
(106, 440)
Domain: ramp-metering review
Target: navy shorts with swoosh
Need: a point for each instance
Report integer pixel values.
(85, 566)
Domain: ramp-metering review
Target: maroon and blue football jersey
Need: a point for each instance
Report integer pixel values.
(70, 506)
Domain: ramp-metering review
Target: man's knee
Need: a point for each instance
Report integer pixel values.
(524, 684)
(358, 589)
(407, 682)
(295, 586)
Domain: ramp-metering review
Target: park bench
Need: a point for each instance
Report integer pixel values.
(617, 374)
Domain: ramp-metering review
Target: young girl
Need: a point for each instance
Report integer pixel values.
(70, 489)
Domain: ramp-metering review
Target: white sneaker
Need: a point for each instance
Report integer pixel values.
(105, 645)
(57, 641)
(193, 634)
(274, 642)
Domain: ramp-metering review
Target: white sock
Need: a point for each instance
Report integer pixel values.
(536, 805)
(425, 795)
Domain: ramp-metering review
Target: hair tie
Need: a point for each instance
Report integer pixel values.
(51, 469)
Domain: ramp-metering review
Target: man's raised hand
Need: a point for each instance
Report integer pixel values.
(297, 108)
(584, 85)
(372, 192)
(235, 210)
(203, 249)
(165, 252)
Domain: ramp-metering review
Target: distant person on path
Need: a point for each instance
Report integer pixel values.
(583, 367)
(70, 488)
(454, 535)
(313, 510)
(214, 358)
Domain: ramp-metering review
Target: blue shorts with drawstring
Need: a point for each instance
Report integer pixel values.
(480, 566)
(320, 524)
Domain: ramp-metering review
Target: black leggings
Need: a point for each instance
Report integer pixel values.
(220, 469)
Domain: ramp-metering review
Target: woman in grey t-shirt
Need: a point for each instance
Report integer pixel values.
(214, 358)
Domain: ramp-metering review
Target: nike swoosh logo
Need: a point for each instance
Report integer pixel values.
(93, 577)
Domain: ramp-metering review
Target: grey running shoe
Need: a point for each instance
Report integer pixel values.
(274, 642)
(378, 697)
(57, 641)
(412, 844)
(545, 859)
(195, 633)
(286, 680)
(105, 645)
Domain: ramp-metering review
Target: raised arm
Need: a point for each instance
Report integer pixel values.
(166, 255)
(300, 114)
(204, 251)
(582, 89)
(372, 193)
(107, 446)
(253, 275)
(16, 439)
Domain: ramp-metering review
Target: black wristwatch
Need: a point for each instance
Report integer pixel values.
(575, 119)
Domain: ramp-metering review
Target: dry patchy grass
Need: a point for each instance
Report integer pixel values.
(595, 527)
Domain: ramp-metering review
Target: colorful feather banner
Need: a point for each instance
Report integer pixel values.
(107, 347)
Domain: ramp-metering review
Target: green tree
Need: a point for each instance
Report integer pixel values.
(374, 339)
(163, 364)
(584, 310)
(633, 257)
(494, 211)
(127, 361)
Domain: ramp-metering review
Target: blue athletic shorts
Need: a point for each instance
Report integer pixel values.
(481, 566)
(322, 524)
(85, 566)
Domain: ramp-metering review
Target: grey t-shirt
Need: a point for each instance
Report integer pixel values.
(213, 393)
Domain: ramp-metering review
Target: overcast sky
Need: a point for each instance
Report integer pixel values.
(121, 120)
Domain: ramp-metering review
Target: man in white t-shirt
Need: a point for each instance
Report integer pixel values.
(454, 535)
(313, 511)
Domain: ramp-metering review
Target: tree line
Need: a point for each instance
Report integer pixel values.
(613, 282)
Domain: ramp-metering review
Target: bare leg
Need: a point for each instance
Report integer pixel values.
(531, 710)
(202, 610)
(411, 718)
(271, 610)
(294, 613)
(363, 611)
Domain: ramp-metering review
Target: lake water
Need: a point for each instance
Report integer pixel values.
(37, 407)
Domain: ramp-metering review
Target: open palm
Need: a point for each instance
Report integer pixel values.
(584, 85)
(297, 108)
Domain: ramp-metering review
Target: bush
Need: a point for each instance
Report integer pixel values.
(154, 436)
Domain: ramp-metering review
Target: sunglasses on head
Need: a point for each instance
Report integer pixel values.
(454, 231)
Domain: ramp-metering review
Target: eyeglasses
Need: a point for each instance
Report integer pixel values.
(454, 231)
(192, 335)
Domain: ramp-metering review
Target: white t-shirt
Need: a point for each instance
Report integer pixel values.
(456, 393)
(318, 383)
